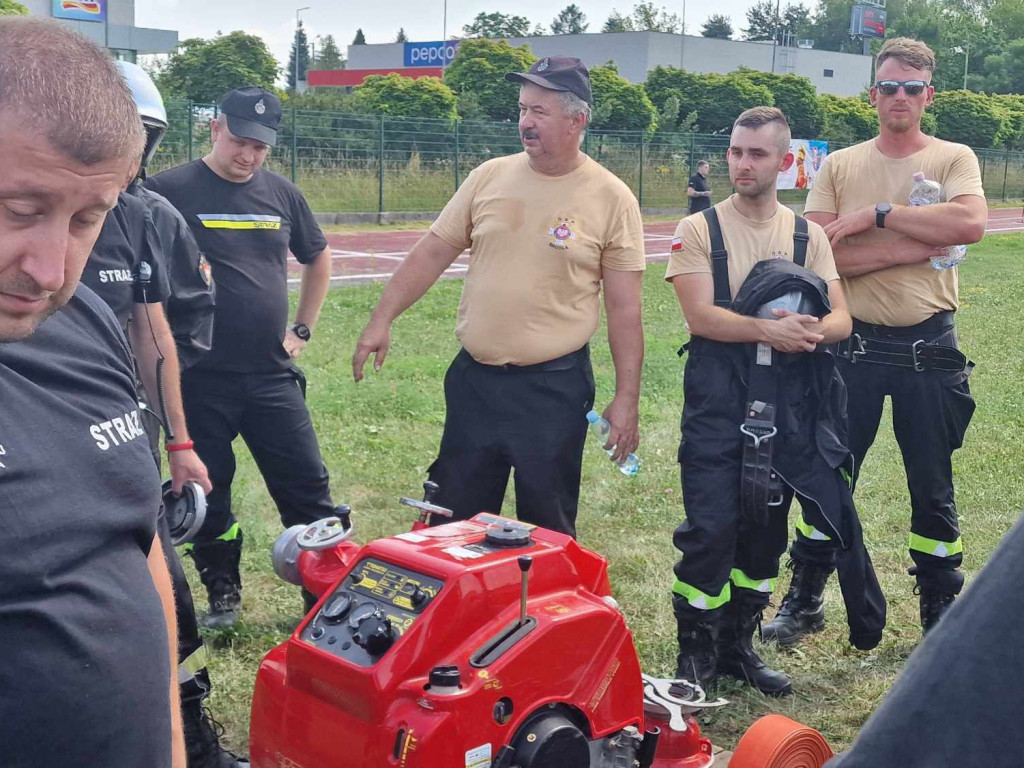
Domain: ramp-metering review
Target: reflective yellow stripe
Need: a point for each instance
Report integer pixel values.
(740, 579)
(809, 531)
(231, 533)
(936, 547)
(699, 599)
(221, 224)
(193, 662)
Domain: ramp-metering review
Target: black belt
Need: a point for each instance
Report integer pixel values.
(891, 345)
(563, 363)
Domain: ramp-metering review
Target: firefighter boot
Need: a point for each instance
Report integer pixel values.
(803, 610)
(202, 739)
(697, 631)
(935, 600)
(217, 562)
(736, 655)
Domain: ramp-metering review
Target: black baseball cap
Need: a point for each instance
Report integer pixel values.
(252, 113)
(557, 73)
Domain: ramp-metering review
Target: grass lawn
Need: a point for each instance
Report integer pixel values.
(379, 436)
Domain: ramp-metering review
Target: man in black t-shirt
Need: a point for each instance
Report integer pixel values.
(245, 220)
(698, 190)
(86, 612)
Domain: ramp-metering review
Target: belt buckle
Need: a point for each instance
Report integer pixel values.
(860, 351)
(918, 365)
(758, 438)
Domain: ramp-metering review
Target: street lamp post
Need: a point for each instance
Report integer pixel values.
(297, 22)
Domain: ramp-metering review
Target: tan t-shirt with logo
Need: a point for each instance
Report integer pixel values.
(747, 242)
(861, 176)
(538, 247)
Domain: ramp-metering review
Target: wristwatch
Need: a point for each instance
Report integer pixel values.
(302, 331)
(881, 209)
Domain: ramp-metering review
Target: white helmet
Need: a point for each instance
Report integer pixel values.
(149, 103)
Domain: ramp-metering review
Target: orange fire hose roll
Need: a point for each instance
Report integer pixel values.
(775, 741)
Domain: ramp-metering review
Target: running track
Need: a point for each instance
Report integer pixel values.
(366, 256)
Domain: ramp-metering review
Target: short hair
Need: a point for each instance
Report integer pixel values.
(70, 88)
(703, 162)
(913, 53)
(758, 117)
(573, 105)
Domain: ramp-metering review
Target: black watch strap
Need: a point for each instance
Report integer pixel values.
(881, 211)
(302, 331)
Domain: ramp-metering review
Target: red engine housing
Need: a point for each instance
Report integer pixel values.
(314, 707)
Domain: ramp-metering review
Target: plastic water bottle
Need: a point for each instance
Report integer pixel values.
(926, 192)
(600, 428)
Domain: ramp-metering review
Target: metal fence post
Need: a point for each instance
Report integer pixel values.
(380, 167)
(295, 144)
(586, 142)
(640, 197)
(689, 164)
(191, 130)
(457, 153)
(1006, 170)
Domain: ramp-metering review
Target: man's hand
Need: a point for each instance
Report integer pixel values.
(850, 224)
(375, 338)
(793, 332)
(293, 345)
(186, 466)
(623, 415)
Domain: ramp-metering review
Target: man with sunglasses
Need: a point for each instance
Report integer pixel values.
(904, 343)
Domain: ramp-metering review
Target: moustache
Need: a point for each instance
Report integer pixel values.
(529, 133)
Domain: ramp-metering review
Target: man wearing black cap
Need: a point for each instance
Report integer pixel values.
(245, 221)
(546, 228)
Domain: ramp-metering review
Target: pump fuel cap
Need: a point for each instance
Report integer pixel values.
(508, 535)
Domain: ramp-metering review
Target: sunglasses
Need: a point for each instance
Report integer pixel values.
(910, 87)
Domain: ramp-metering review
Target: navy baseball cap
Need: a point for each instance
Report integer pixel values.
(252, 113)
(557, 73)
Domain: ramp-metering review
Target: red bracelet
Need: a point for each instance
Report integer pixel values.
(186, 446)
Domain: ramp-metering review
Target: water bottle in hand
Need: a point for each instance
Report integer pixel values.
(926, 192)
(600, 428)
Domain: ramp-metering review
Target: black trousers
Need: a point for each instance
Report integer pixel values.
(930, 413)
(268, 410)
(532, 419)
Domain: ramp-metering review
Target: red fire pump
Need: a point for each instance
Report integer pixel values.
(484, 643)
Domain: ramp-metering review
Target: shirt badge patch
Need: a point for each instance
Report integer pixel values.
(205, 270)
(562, 233)
(677, 244)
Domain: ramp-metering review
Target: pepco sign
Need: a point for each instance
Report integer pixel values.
(436, 54)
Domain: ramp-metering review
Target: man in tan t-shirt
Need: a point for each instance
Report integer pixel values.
(730, 551)
(547, 230)
(904, 344)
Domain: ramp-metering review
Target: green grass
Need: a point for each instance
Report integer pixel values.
(379, 436)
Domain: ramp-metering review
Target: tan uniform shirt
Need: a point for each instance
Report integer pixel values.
(539, 246)
(747, 242)
(861, 176)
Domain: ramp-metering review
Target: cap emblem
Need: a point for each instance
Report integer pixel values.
(543, 65)
(260, 107)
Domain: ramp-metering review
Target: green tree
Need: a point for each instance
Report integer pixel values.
(360, 38)
(405, 97)
(716, 99)
(204, 70)
(620, 105)
(647, 17)
(569, 21)
(969, 118)
(496, 25)
(830, 26)
(537, 31)
(328, 55)
(1011, 135)
(401, 37)
(479, 68)
(12, 8)
(302, 48)
(795, 96)
(763, 23)
(717, 25)
(617, 23)
(847, 120)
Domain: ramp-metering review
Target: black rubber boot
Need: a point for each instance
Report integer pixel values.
(218, 565)
(736, 655)
(933, 605)
(202, 739)
(803, 610)
(697, 632)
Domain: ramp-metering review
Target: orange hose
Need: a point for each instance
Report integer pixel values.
(775, 741)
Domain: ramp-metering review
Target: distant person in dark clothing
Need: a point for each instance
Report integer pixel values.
(698, 190)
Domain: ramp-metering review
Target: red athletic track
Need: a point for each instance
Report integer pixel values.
(364, 256)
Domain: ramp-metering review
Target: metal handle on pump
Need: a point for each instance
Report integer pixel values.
(525, 561)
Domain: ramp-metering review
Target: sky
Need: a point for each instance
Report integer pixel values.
(422, 20)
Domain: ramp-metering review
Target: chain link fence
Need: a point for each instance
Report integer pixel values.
(376, 163)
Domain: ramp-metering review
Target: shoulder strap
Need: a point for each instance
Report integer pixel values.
(719, 259)
(800, 240)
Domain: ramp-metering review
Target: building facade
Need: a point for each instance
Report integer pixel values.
(110, 23)
(636, 53)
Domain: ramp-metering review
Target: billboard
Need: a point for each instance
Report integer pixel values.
(867, 21)
(802, 164)
(435, 54)
(80, 10)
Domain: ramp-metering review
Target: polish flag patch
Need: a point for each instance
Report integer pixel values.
(677, 244)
